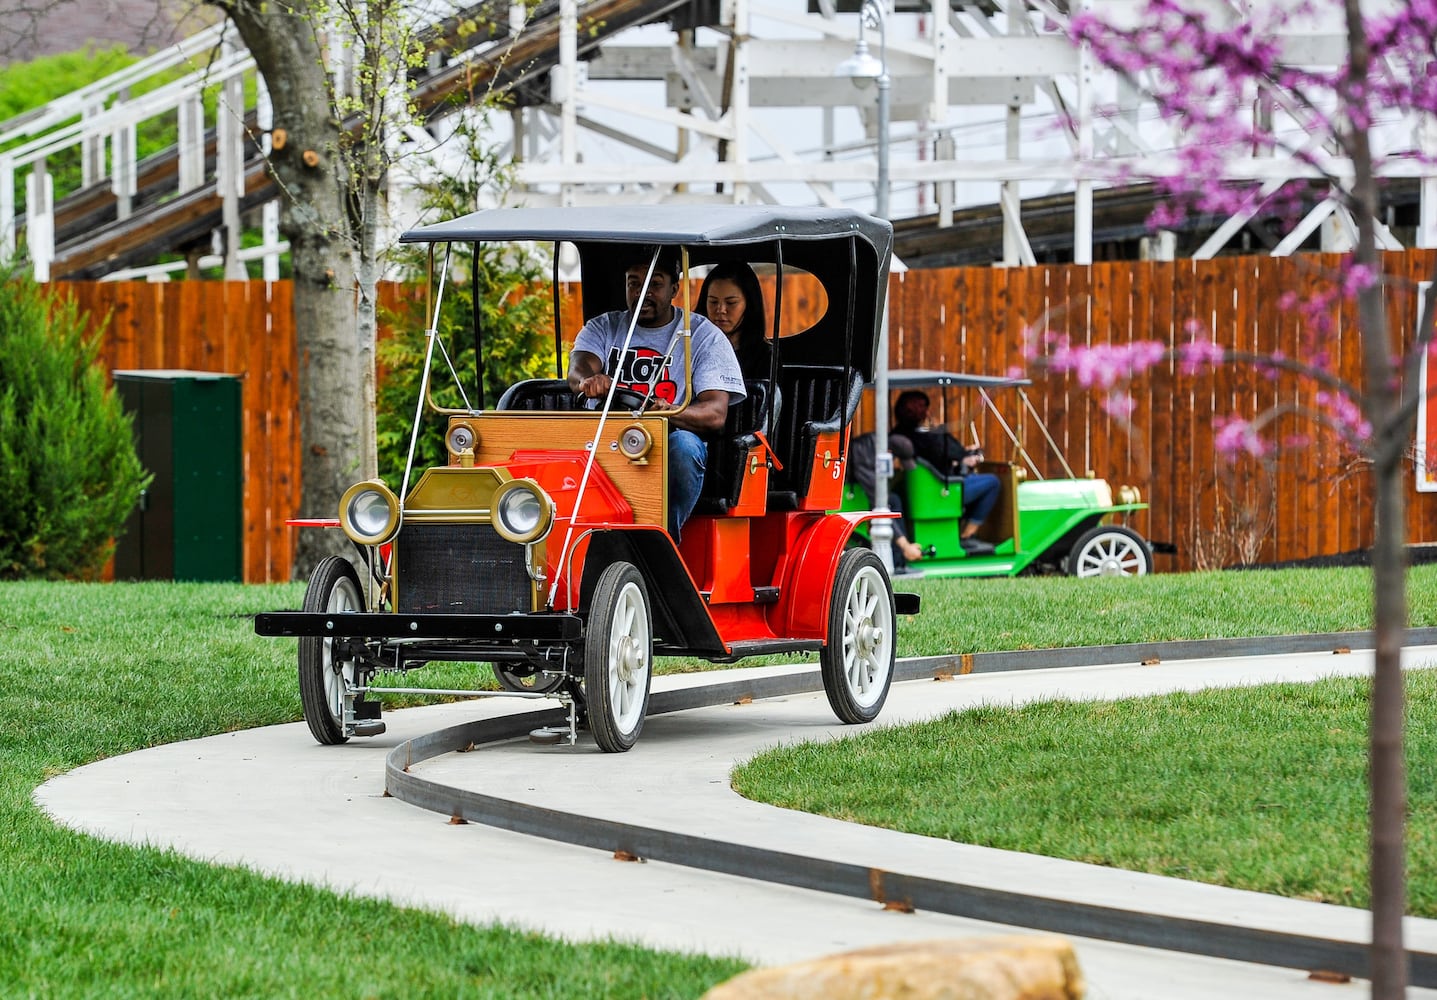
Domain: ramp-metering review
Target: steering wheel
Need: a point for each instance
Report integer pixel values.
(626, 399)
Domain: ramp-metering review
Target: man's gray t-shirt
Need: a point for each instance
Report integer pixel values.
(714, 363)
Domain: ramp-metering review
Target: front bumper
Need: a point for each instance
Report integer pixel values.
(542, 627)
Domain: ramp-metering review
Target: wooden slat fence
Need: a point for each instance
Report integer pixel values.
(1310, 498)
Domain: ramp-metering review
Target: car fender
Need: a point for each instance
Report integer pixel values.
(809, 586)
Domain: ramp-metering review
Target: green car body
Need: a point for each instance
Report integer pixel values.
(1070, 525)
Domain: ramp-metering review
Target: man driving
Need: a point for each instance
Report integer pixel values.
(639, 348)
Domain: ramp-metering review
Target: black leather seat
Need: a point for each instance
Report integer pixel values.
(540, 394)
(817, 400)
(728, 453)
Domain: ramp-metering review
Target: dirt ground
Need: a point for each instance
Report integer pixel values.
(1417, 555)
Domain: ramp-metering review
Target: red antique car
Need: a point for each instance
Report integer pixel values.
(540, 545)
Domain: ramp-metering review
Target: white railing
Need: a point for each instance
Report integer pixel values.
(106, 116)
(598, 138)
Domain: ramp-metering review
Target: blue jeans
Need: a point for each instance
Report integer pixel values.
(980, 493)
(688, 454)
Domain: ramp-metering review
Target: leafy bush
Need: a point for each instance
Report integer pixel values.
(516, 321)
(27, 85)
(517, 343)
(69, 474)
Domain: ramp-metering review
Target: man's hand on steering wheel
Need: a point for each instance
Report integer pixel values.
(624, 399)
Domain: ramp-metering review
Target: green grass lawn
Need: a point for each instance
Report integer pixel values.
(98, 670)
(1257, 788)
(962, 616)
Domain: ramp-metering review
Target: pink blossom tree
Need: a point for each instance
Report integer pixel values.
(1207, 79)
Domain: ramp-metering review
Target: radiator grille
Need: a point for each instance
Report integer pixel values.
(459, 569)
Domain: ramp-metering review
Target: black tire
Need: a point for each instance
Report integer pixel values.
(333, 586)
(618, 658)
(524, 678)
(1109, 550)
(857, 661)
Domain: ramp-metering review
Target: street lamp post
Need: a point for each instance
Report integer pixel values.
(862, 68)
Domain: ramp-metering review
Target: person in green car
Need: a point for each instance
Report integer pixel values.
(949, 458)
(861, 470)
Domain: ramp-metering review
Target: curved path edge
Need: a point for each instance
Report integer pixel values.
(895, 889)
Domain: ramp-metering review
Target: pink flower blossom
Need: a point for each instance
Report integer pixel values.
(1106, 365)
(1198, 354)
(1119, 405)
(1357, 278)
(1235, 436)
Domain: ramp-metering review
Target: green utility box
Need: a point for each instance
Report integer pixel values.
(189, 523)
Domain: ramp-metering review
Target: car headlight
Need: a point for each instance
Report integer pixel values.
(460, 438)
(369, 513)
(1129, 494)
(522, 511)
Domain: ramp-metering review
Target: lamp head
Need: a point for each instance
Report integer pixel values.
(862, 67)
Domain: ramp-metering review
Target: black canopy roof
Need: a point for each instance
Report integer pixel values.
(921, 378)
(689, 225)
(847, 251)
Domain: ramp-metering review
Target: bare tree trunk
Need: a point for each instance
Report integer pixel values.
(383, 73)
(284, 39)
(1388, 771)
(1391, 433)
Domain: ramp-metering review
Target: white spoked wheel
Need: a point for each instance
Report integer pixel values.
(333, 587)
(618, 658)
(857, 662)
(1109, 550)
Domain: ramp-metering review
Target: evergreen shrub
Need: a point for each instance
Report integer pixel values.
(69, 475)
(514, 292)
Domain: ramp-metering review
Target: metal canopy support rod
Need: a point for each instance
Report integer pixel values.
(566, 87)
(1083, 190)
(1427, 200)
(860, 67)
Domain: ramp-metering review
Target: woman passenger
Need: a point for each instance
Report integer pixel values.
(732, 300)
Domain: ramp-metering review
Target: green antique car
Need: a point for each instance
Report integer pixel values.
(1072, 525)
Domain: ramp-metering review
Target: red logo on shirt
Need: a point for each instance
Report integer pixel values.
(640, 366)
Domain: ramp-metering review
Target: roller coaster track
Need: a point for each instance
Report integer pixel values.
(93, 240)
(711, 92)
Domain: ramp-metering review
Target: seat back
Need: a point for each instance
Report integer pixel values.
(540, 394)
(819, 403)
(728, 461)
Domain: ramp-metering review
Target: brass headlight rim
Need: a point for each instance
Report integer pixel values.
(449, 434)
(391, 502)
(546, 512)
(643, 451)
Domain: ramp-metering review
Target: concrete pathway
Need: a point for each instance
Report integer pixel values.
(272, 800)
